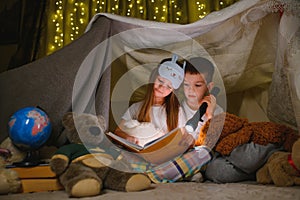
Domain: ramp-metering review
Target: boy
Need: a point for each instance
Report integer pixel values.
(198, 81)
(243, 162)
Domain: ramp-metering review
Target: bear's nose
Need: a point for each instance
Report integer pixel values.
(95, 130)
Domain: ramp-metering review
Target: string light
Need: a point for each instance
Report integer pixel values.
(68, 18)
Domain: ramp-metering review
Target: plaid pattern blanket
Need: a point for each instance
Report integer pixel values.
(174, 170)
(180, 167)
(136, 162)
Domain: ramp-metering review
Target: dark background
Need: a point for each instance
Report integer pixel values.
(20, 22)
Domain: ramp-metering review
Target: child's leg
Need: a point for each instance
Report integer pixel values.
(135, 162)
(220, 170)
(181, 166)
(242, 163)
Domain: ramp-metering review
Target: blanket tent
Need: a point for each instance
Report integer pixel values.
(255, 47)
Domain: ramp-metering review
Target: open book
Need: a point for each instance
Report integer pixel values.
(156, 151)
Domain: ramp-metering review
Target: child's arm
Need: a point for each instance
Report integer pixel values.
(187, 140)
(211, 105)
(119, 131)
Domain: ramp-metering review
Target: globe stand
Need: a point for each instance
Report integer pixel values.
(32, 159)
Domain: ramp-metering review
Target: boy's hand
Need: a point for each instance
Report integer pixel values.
(211, 105)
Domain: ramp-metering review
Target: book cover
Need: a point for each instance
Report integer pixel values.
(42, 171)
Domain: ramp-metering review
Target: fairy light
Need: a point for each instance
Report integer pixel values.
(97, 6)
(57, 21)
(141, 9)
(68, 18)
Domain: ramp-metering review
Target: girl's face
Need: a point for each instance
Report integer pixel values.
(162, 87)
(194, 87)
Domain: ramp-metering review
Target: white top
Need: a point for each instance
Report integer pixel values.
(158, 116)
(189, 113)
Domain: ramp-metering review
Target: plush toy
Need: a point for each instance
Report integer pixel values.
(83, 168)
(9, 180)
(10, 155)
(282, 168)
(242, 147)
(235, 131)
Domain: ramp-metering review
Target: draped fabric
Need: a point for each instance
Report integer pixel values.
(256, 56)
(31, 29)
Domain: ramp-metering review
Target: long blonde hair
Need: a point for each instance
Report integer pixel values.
(171, 104)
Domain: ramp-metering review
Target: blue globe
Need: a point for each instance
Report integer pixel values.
(29, 128)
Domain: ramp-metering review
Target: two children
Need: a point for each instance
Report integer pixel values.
(157, 106)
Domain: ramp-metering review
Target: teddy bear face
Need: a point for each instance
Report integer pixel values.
(84, 128)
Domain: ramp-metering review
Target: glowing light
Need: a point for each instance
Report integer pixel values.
(78, 13)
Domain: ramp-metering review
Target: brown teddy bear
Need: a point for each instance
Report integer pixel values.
(83, 168)
(242, 147)
(11, 157)
(9, 179)
(282, 168)
(234, 131)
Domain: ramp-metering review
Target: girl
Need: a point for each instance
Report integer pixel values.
(160, 105)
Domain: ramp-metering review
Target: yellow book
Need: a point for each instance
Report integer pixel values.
(40, 185)
(43, 171)
(37, 178)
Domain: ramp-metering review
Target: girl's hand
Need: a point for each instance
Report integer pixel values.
(124, 135)
(132, 139)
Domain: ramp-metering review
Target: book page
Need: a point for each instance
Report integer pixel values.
(124, 142)
(159, 150)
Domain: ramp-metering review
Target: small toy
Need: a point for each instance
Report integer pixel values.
(282, 168)
(83, 168)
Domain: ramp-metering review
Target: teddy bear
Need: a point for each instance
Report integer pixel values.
(11, 157)
(241, 147)
(9, 179)
(87, 165)
(282, 168)
(234, 131)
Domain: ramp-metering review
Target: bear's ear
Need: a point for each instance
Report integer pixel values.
(102, 122)
(68, 120)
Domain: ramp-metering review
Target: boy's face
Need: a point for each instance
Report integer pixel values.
(195, 88)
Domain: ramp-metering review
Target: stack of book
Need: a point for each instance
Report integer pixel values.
(37, 179)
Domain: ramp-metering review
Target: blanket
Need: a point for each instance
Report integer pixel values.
(254, 47)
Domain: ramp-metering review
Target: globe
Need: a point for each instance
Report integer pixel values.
(29, 128)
